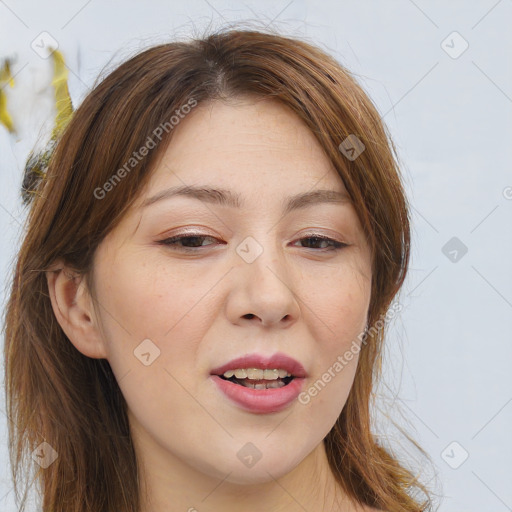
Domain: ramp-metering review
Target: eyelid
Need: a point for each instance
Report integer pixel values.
(191, 231)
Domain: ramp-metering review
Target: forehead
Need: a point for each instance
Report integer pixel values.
(246, 144)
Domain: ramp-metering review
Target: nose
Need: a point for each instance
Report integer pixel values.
(263, 292)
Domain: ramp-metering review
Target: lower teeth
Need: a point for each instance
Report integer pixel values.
(272, 384)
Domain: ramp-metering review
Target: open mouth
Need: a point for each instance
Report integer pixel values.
(259, 384)
(280, 382)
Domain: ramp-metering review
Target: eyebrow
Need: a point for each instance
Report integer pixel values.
(225, 197)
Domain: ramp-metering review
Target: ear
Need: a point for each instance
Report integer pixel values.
(73, 307)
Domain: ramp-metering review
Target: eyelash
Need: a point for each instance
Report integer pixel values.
(336, 246)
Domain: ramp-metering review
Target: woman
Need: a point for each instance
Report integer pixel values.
(194, 317)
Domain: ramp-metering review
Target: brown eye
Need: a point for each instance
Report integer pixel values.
(327, 243)
(189, 242)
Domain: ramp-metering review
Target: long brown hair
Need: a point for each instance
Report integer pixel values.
(56, 394)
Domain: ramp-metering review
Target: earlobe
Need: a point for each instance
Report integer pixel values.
(73, 309)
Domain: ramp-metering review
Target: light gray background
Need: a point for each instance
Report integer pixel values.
(449, 353)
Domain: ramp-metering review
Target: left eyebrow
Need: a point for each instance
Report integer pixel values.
(225, 197)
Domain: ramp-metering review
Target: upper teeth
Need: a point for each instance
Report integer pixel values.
(257, 374)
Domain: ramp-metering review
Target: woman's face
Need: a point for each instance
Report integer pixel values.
(252, 279)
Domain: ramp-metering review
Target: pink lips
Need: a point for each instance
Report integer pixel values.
(262, 401)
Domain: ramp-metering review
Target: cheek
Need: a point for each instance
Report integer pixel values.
(153, 322)
(141, 301)
(147, 299)
(339, 301)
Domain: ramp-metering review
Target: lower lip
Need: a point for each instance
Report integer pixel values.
(261, 401)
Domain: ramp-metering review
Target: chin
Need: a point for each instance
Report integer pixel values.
(257, 471)
(258, 474)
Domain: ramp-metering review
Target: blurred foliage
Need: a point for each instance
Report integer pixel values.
(5, 78)
(37, 163)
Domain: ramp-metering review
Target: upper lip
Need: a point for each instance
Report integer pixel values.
(276, 361)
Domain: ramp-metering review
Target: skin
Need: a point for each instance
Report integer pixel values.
(205, 308)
